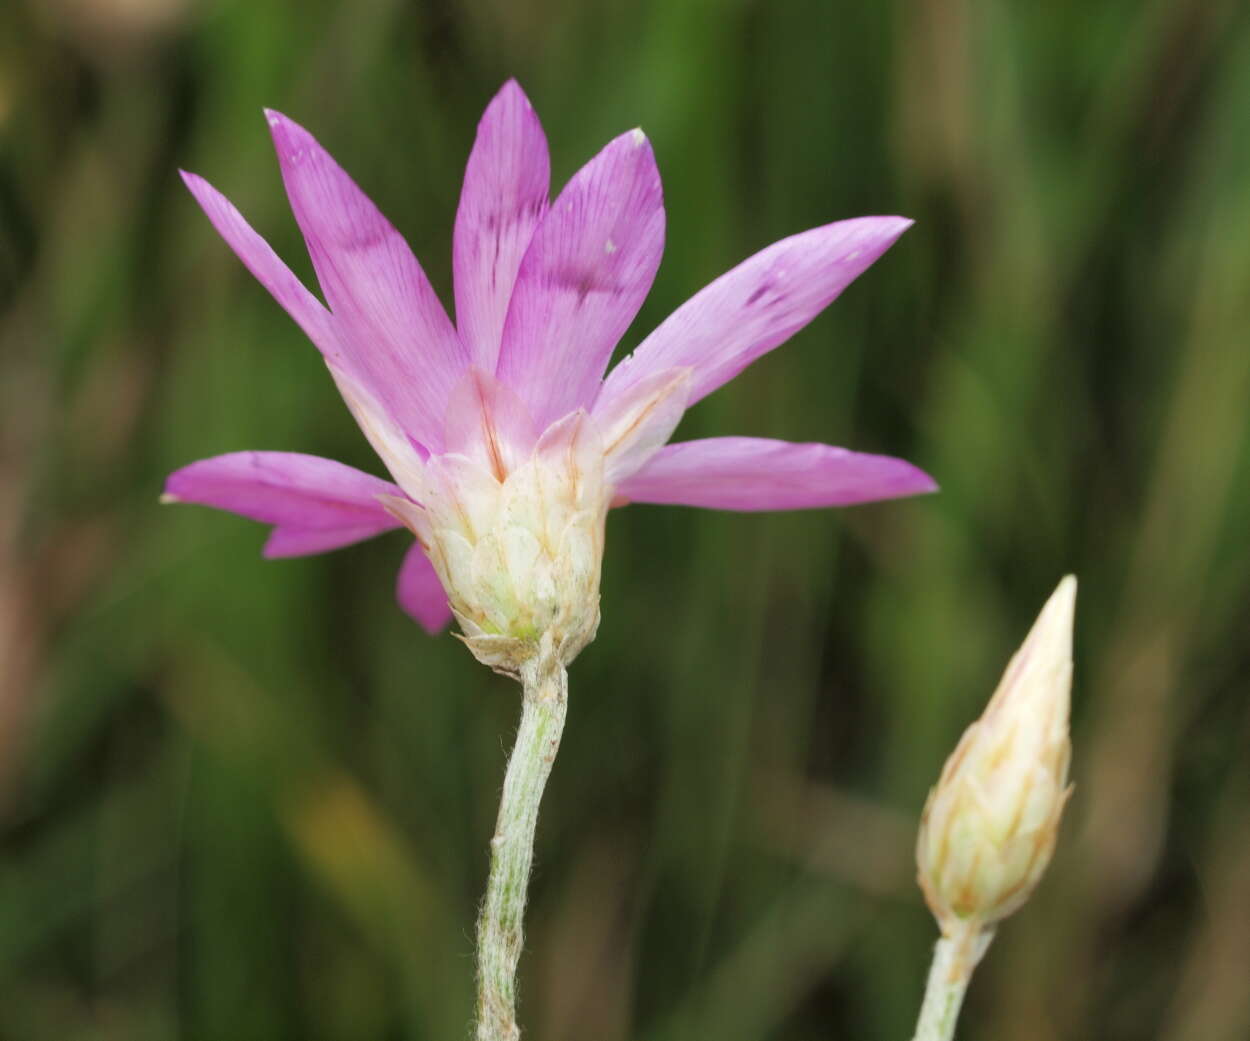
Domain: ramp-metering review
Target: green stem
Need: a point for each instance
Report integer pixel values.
(954, 958)
(499, 929)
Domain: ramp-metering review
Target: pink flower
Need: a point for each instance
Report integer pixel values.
(505, 441)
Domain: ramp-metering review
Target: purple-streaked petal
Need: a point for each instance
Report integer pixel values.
(584, 276)
(404, 349)
(401, 456)
(503, 199)
(420, 592)
(488, 422)
(637, 423)
(404, 457)
(314, 504)
(303, 542)
(758, 305)
(265, 265)
(750, 473)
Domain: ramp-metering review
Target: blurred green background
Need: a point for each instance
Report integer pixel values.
(248, 800)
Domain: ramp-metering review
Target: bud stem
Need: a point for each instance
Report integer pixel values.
(954, 958)
(499, 929)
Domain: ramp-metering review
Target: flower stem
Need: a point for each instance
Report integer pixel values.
(499, 929)
(954, 958)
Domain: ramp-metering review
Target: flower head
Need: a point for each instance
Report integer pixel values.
(505, 442)
(990, 825)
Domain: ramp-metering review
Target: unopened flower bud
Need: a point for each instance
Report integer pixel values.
(990, 824)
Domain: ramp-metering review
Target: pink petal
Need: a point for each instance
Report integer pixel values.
(265, 265)
(302, 542)
(489, 423)
(402, 457)
(749, 473)
(420, 592)
(637, 423)
(503, 199)
(314, 504)
(584, 276)
(403, 346)
(758, 305)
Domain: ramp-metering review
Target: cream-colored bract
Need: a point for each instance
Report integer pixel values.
(990, 824)
(519, 551)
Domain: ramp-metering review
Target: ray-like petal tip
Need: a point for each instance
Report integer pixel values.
(175, 483)
(923, 483)
(288, 136)
(899, 479)
(911, 480)
(512, 89)
(890, 227)
(637, 137)
(200, 189)
(881, 229)
(168, 498)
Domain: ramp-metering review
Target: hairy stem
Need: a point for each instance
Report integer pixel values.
(499, 929)
(954, 958)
